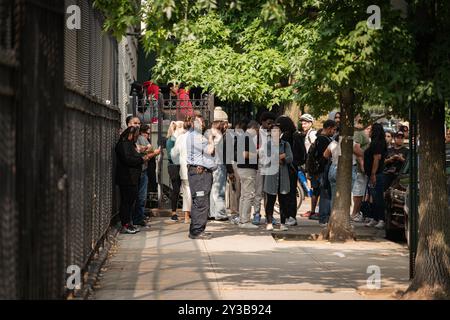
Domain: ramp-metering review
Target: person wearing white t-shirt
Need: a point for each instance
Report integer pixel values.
(334, 151)
(310, 134)
(310, 137)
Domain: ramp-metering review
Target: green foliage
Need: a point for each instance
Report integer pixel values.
(119, 14)
(335, 50)
(247, 50)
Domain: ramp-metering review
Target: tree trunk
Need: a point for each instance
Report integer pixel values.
(432, 276)
(339, 228)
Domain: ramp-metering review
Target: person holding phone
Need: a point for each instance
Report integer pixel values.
(128, 172)
(396, 157)
(145, 149)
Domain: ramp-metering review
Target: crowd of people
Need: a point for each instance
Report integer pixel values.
(259, 160)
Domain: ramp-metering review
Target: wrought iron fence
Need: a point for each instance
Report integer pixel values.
(57, 195)
(8, 207)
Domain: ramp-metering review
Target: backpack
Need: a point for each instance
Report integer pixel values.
(315, 162)
(312, 164)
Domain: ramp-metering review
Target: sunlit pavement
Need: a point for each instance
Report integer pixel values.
(162, 263)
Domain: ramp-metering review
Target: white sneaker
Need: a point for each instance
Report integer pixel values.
(380, 225)
(235, 219)
(291, 222)
(247, 225)
(359, 218)
(371, 223)
(283, 227)
(323, 224)
(269, 227)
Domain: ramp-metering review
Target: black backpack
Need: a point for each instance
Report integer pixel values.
(313, 161)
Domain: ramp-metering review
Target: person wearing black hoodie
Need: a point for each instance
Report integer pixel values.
(128, 172)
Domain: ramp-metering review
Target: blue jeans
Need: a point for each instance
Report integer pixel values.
(138, 214)
(217, 198)
(325, 198)
(377, 194)
(332, 177)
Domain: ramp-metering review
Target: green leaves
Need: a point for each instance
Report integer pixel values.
(246, 50)
(120, 15)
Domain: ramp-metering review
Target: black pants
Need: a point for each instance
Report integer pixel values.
(200, 185)
(283, 200)
(151, 171)
(292, 195)
(128, 197)
(175, 180)
(388, 180)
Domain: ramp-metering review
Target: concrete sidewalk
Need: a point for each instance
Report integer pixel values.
(163, 263)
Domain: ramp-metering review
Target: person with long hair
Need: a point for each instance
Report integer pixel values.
(288, 129)
(179, 156)
(175, 130)
(128, 172)
(374, 158)
(277, 184)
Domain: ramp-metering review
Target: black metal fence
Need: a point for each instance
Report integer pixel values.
(57, 195)
(8, 208)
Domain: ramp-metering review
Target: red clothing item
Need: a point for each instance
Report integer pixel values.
(185, 106)
(152, 90)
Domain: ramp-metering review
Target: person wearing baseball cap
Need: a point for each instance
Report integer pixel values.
(310, 137)
(307, 117)
(217, 199)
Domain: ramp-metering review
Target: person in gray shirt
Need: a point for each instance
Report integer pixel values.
(144, 147)
(201, 164)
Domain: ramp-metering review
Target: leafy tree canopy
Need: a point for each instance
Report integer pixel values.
(271, 52)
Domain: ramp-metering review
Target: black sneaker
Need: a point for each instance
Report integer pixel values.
(134, 228)
(174, 218)
(128, 229)
(201, 236)
(222, 219)
(141, 224)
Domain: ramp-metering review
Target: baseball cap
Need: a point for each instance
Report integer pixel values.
(307, 117)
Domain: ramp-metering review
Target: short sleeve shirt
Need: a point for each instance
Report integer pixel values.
(143, 142)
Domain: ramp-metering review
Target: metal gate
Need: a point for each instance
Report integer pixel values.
(159, 114)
